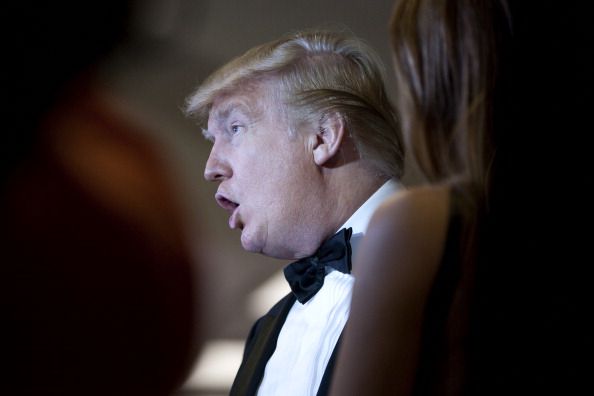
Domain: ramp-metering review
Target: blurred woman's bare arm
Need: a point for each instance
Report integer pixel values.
(398, 260)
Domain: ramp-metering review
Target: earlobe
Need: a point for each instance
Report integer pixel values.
(329, 138)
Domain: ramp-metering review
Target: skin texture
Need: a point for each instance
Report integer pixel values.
(401, 252)
(277, 185)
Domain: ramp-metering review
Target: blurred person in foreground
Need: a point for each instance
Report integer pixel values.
(96, 277)
(475, 282)
(411, 325)
(305, 147)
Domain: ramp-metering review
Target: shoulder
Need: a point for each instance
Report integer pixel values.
(395, 269)
(416, 205)
(412, 215)
(406, 235)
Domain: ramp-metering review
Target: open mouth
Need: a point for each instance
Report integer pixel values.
(226, 203)
(231, 207)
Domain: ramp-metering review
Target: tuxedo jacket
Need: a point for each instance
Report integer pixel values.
(260, 346)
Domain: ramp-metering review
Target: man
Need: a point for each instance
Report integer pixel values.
(305, 147)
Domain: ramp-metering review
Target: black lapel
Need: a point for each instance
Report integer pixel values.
(260, 346)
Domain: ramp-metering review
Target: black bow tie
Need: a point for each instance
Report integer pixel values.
(306, 276)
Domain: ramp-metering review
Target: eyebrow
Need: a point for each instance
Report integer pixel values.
(223, 113)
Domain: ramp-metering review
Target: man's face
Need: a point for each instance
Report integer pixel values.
(268, 181)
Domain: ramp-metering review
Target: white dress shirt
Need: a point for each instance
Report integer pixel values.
(311, 330)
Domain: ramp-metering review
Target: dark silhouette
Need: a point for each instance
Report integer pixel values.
(97, 281)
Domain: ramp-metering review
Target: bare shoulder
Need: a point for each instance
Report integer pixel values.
(407, 233)
(418, 213)
(414, 206)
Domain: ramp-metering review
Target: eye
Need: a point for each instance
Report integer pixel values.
(236, 128)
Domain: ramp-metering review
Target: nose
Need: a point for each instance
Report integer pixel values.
(217, 168)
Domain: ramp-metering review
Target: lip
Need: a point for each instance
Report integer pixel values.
(230, 206)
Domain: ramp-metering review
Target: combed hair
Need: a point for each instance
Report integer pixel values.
(318, 72)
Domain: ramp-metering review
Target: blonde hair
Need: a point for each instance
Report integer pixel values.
(318, 72)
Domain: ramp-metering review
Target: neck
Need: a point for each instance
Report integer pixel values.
(348, 187)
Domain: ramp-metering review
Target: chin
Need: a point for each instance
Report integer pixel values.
(249, 244)
(281, 252)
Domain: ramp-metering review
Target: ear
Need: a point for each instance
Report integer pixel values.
(328, 138)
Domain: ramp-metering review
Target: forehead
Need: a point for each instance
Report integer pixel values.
(247, 98)
(224, 106)
(251, 102)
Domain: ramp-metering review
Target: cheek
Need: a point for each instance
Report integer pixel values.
(292, 195)
(268, 170)
(276, 181)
